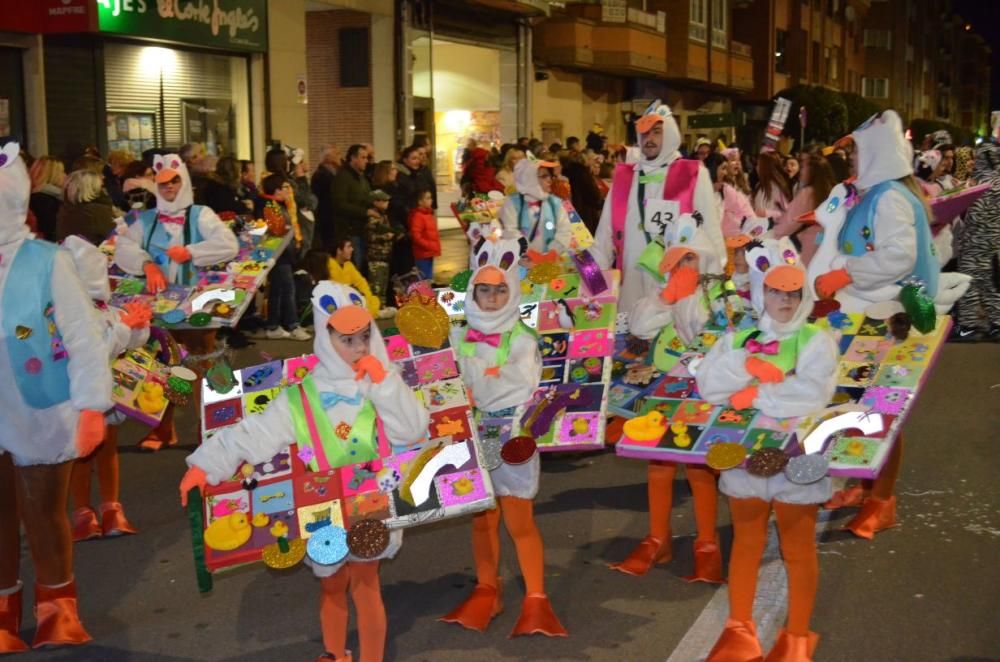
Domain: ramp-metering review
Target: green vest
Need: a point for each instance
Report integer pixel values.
(468, 348)
(314, 431)
(788, 349)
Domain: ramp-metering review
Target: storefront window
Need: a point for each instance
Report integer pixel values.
(166, 97)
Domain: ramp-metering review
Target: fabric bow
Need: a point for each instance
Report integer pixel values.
(330, 399)
(755, 347)
(654, 177)
(177, 220)
(492, 339)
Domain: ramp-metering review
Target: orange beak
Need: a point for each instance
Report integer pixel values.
(540, 258)
(785, 278)
(350, 319)
(737, 241)
(672, 257)
(647, 122)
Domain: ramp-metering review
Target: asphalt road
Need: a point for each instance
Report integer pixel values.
(926, 590)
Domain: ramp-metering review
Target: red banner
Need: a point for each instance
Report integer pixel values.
(46, 16)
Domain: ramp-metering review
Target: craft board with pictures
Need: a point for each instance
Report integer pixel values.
(223, 292)
(568, 412)
(876, 373)
(285, 489)
(138, 385)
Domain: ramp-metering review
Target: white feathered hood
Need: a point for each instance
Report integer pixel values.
(185, 197)
(15, 190)
(686, 234)
(526, 177)
(495, 257)
(327, 298)
(765, 259)
(884, 153)
(91, 266)
(655, 113)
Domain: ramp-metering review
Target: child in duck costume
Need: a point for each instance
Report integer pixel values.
(123, 329)
(533, 211)
(751, 228)
(354, 384)
(164, 244)
(885, 239)
(672, 318)
(57, 389)
(501, 366)
(625, 229)
(785, 367)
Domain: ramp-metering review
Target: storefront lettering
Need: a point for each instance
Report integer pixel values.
(209, 14)
(118, 6)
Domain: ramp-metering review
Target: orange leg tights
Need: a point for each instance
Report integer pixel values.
(486, 547)
(884, 486)
(366, 592)
(519, 518)
(797, 533)
(105, 458)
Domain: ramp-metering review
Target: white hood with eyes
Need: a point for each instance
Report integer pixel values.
(526, 179)
(335, 373)
(763, 256)
(884, 153)
(669, 150)
(502, 254)
(185, 196)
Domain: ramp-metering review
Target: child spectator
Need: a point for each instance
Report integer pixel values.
(379, 235)
(424, 231)
(282, 319)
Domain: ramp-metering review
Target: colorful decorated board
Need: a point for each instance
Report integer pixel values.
(283, 496)
(576, 355)
(948, 206)
(140, 386)
(877, 373)
(220, 298)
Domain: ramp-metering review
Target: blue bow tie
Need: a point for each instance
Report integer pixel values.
(330, 399)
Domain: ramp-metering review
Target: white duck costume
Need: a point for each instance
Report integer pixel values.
(673, 317)
(624, 229)
(535, 214)
(885, 237)
(799, 378)
(177, 222)
(57, 387)
(501, 366)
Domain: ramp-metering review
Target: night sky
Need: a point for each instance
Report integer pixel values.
(984, 15)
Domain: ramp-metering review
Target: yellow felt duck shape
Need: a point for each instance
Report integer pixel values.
(150, 398)
(650, 427)
(229, 532)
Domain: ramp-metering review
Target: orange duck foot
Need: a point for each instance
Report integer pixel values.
(537, 617)
(58, 619)
(153, 442)
(651, 551)
(707, 563)
(876, 515)
(478, 609)
(113, 521)
(85, 526)
(10, 622)
(737, 643)
(613, 430)
(849, 497)
(793, 647)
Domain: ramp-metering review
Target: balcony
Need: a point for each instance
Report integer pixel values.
(580, 39)
(522, 7)
(740, 66)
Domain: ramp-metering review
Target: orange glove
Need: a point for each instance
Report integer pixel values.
(831, 282)
(370, 366)
(156, 282)
(89, 431)
(683, 282)
(195, 477)
(136, 315)
(179, 254)
(743, 399)
(766, 372)
(492, 371)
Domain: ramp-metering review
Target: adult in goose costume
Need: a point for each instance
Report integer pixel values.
(885, 239)
(51, 412)
(672, 318)
(165, 244)
(354, 385)
(501, 366)
(123, 329)
(533, 211)
(785, 367)
(625, 229)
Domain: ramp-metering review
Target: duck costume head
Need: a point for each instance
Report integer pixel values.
(656, 113)
(884, 153)
(683, 237)
(15, 190)
(338, 308)
(775, 263)
(526, 177)
(165, 169)
(752, 228)
(91, 265)
(495, 262)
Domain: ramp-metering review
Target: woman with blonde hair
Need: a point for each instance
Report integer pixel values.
(47, 178)
(86, 210)
(505, 175)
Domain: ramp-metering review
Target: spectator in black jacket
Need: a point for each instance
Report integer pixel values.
(425, 172)
(47, 178)
(322, 187)
(351, 204)
(408, 177)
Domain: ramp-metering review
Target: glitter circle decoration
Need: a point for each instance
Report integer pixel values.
(423, 324)
(541, 274)
(725, 455)
(806, 469)
(767, 462)
(489, 451)
(460, 281)
(368, 538)
(200, 319)
(33, 366)
(518, 450)
(328, 546)
(273, 557)
(175, 316)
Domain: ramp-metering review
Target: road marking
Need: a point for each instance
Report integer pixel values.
(769, 605)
